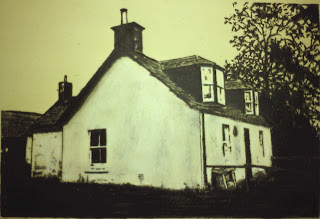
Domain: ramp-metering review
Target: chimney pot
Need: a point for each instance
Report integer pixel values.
(127, 35)
(124, 15)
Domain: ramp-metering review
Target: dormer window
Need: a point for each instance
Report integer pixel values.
(213, 88)
(251, 102)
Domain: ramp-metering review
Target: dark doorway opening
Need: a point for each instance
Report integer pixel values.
(248, 155)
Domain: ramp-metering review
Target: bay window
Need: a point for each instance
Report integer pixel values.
(213, 89)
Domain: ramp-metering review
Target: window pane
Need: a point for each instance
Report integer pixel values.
(247, 96)
(94, 138)
(207, 75)
(103, 155)
(225, 133)
(207, 91)
(221, 95)
(220, 78)
(98, 155)
(95, 155)
(249, 107)
(103, 139)
(256, 99)
(261, 137)
(257, 109)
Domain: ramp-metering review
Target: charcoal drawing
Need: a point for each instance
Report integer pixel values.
(178, 134)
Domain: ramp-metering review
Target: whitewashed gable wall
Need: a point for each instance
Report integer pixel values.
(149, 131)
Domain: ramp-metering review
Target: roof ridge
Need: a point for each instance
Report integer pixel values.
(191, 56)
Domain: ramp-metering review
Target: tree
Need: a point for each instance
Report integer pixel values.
(279, 55)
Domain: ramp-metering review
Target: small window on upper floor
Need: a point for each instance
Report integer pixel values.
(213, 89)
(251, 102)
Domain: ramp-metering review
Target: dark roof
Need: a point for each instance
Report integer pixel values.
(186, 61)
(15, 123)
(51, 120)
(236, 84)
(58, 114)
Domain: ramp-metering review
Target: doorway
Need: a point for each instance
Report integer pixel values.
(248, 154)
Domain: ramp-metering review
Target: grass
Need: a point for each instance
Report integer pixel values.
(281, 194)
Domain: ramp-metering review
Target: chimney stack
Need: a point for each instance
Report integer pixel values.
(127, 35)
(124, 15)
(65, 90)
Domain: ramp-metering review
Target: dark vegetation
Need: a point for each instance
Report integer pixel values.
(283, 193)
(279, 55)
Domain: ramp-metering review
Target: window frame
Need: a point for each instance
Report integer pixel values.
(254, 95)
(220, 89)
(226, 143)
(216, 86)
(100, 145)
(261, 141)
(251, 102)
(211, 84)
(256, 102)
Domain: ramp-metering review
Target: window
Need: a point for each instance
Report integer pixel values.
(226, 141)
(248, 102)
(261, 141)
(207, 84)
(212, 85)
(98, 146)
(251, 102)
(256, 103)
(220, 87)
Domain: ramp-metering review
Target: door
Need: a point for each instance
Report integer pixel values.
(248, 154)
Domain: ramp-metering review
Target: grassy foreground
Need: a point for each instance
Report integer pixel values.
(282, 194)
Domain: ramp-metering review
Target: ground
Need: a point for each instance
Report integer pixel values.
(284, 193)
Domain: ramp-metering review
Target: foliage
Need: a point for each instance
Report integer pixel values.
(279, 55)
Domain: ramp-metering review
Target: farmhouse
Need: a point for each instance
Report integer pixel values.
(171, 124)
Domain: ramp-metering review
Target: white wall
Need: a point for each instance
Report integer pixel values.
(46, 154)
(214, 152)
(149, 131)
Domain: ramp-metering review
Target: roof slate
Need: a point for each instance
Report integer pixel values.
(15, 123)
(60, 113)
(185, 61)
(51, 120)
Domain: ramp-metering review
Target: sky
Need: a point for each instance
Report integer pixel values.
(43, 40)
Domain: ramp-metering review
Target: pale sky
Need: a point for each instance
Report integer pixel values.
(43, 40)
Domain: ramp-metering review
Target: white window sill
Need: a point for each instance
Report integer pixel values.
(97, 168)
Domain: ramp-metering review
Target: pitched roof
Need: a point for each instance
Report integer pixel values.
(51, 119)
(185, 61)
(58, 114)
(236, 84)
(15, 123)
